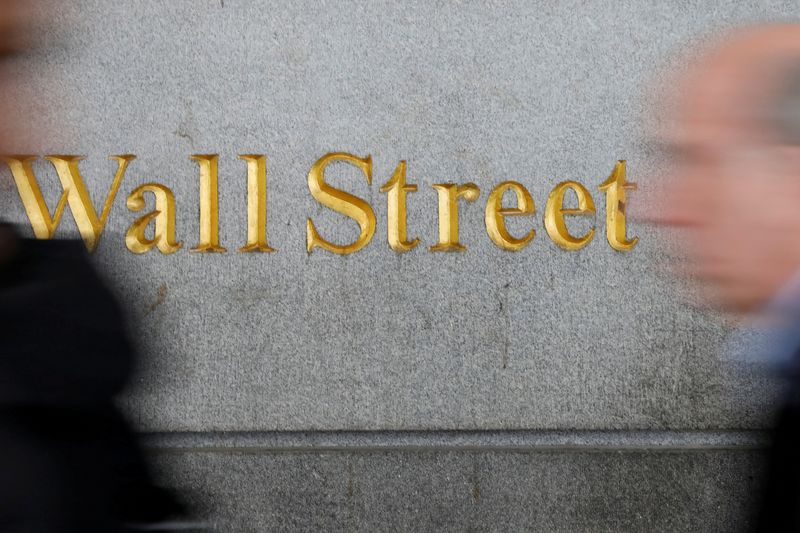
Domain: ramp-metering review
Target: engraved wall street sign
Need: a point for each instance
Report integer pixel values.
(156, 228)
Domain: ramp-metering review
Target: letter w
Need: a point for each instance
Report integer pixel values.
(74, 193)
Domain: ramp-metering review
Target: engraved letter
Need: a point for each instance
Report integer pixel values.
(164, 217)
(74, 193)
(209, 208)
(616, 229)
(555, 212)
(341, 202)
(256, 204)
(496, 213)
(449, 193)
(396, 210)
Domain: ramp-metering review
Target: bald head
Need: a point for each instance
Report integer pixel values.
(747, 83)
(735, 176)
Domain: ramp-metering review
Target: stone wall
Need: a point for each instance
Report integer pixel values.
(540, 390)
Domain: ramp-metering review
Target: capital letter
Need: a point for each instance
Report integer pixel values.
(164, 217)
(74, 194)
(256, 204)
(616, 228)
(396, 210)
(341, 202)
(496, 213)
(555, 212)
(449, 194)
(209, 206)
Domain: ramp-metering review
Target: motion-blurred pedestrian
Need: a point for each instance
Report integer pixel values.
(734, 196)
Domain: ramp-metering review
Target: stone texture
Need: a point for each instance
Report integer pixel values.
(473, 91)
(476, 490)
(554, 391)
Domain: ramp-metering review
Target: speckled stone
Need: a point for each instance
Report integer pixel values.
(537, 92)
(464, 91)
(477, 491)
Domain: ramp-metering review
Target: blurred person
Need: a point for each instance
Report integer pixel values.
(69, 461)
(734, 194)
(68, 458)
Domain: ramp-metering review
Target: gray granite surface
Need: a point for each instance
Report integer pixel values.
(465, 91)
(478, 491)
(286, 351)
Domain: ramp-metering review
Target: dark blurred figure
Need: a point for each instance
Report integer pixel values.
(735, 194)
(68, 460)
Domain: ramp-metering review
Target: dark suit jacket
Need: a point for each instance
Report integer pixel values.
(69, 460)
(63, 341)
(780, 503)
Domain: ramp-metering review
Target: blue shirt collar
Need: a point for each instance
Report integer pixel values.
(771, 336)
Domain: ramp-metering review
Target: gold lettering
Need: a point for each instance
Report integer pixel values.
(616, 227)
(496, 213)
(164, 217)
(256, 204)
(209, 206)
(341, 202)
(74, 194)
(449, 194)
(396, 210)
(555, 212)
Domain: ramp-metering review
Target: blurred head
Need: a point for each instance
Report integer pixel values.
(734, 188)
(17, 25)
(18, 31)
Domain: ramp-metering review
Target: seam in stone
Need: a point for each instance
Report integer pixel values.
(487, 440)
